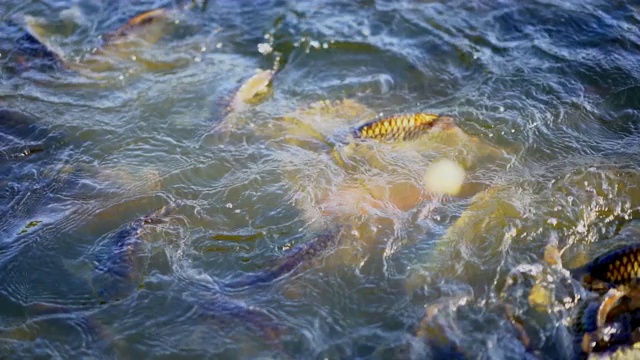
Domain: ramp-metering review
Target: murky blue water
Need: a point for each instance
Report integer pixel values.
(86, 154)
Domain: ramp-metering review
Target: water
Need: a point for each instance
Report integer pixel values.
(551, 84)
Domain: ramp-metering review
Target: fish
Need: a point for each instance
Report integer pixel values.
(613, 321)
(148, 27)
(30, 50)
(620, 266)
(400, 127)
(225, 311)
(126, 42)
(21, 135)
(607, 324)
(437, 331)
(120, 272)
(290, 261)
(252, 91)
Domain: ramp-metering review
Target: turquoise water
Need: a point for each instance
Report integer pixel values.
(85, 154)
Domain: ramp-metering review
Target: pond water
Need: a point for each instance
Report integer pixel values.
(546, 91)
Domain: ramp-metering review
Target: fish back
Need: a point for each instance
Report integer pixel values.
(617, 267)
(400, 127)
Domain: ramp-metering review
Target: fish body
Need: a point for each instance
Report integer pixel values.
(252, 91)
(225, 311)
(118, 273)
(620, 266)
(125, 43)
(136, 24)
(30, 50)
(290, 261)
(605, 327)
(402, 127)
(613, 321)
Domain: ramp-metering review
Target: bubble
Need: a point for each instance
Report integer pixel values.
(229, 205)
(264, 48)
(73, 14)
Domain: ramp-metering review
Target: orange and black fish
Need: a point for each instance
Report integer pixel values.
(401, 127)
(620, 266)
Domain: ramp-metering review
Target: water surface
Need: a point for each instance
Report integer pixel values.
(553, 84)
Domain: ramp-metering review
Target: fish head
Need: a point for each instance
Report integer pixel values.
(253, 91)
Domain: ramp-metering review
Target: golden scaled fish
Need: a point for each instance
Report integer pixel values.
(401, 127)
(620, 266)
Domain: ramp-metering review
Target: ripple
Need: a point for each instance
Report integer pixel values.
(551, 84)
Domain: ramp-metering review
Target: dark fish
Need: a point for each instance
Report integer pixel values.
(35, 169)
(400, 127)
(120, 272)
(438, 333)
(584, 324)
(29, 50)
(21, 136)
(226, 312)
(605, 326)
(32, 46)
(290, 261)
(97, 339)
(620, 266)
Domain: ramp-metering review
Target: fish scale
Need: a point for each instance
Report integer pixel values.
(620, 266)
(398, 127)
